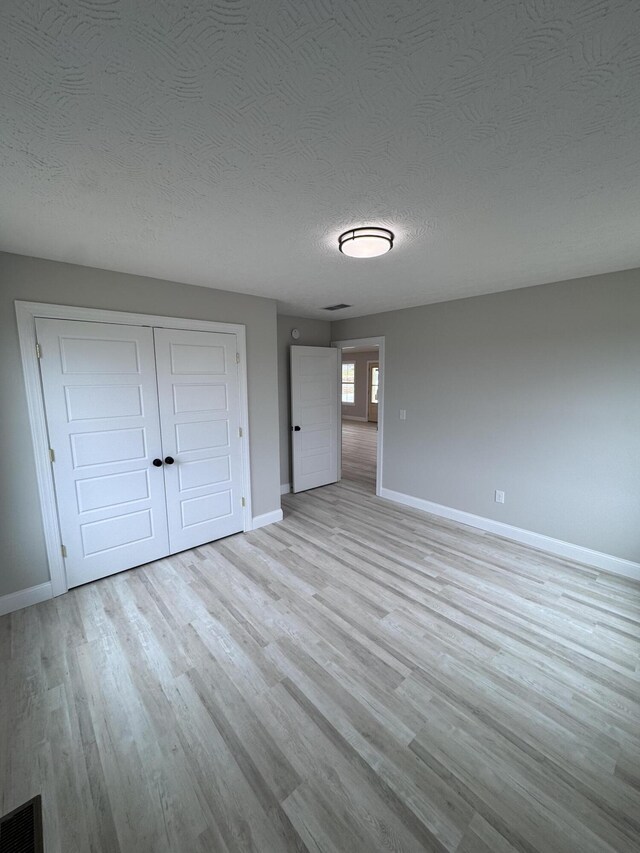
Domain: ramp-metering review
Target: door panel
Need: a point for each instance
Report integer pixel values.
(199, 397)
(103, 401)
(314, 409)
(197, 511)
(191, 359)
(102, 492)
(112, 533)
(99, 385)
(108, 447)
(203, 472)
(98, 356)
(203, 435)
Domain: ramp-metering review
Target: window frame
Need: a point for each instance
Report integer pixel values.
(343, 383)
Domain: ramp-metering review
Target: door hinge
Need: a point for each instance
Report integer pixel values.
(63, 548)
(240, 431)
(244, 503)
(38, 351)
(237, 358)
(52, 455)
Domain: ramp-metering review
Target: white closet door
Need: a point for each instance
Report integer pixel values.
(99, 383)
(314, 416)
(199, 395)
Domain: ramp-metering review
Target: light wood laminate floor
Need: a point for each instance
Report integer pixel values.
(359, 449)
(360, 677)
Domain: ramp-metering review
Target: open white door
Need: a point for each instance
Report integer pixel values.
(314, 416)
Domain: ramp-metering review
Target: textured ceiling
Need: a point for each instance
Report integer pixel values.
(227, 143)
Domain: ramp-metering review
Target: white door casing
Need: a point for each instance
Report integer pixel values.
(314, 416)
(99, 385)
(199, 396)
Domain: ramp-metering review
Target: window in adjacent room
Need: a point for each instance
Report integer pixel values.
(349, 383)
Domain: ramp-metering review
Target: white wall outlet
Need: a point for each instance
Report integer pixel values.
(499, 496)
(403, 414)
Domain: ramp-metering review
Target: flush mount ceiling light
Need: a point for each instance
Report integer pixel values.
(368, 242)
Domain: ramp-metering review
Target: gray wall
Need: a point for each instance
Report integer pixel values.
(533, 391)
(360, 409)
(313, 333)
(22, 555)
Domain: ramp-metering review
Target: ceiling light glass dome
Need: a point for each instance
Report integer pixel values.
(366, 242)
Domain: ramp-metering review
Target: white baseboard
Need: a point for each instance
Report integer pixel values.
(353, 418)
(267, 518)
(558, 547)
(25, 597)
(285, 488)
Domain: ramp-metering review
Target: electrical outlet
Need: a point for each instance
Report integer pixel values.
(403, 414)
(499, 496)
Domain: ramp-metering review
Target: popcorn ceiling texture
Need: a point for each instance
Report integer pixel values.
(227, 144)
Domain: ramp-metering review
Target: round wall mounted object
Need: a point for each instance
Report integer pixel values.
(295, 334)
(367, 242)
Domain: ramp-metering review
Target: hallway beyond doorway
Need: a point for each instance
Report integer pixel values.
(359, 448)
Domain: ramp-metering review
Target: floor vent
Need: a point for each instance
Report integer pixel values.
(21, 829)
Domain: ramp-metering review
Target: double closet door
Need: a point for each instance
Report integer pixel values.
(144, 425)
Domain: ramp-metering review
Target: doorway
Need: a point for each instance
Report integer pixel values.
(361, 368)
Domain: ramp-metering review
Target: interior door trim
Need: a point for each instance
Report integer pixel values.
(26, 314)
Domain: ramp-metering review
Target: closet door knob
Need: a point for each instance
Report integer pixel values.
(157, 463)
(296, 428)
(169, 460)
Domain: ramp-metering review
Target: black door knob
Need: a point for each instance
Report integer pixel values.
(169, 460)
(297, 428)
(157, 462)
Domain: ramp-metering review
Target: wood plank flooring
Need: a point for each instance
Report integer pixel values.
(359, 449)
(360, 677)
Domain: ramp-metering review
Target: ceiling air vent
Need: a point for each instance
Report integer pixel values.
(336, 307)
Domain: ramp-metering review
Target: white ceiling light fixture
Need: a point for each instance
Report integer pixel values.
(367, 242)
